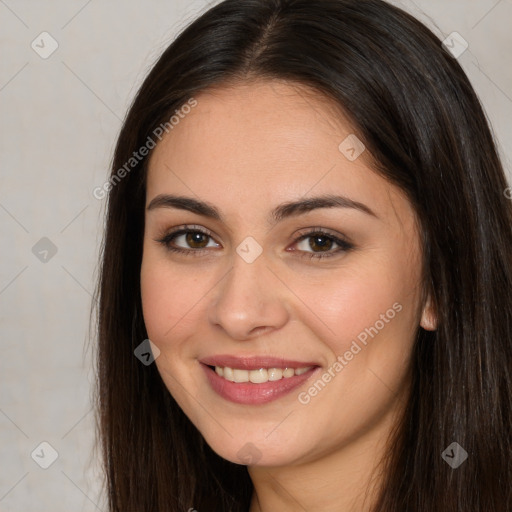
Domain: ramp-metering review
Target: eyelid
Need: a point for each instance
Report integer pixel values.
(309, 231)
(187, 228)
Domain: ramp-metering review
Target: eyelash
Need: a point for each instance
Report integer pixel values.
(343, 245)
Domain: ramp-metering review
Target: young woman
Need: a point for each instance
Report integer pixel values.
(308, 218)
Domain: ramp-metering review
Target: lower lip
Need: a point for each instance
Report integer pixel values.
(254, 394)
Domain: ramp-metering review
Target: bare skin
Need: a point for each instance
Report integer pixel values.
(246, 150)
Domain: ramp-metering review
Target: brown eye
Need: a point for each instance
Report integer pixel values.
(196, 240)
(320, 242)
(188, 241)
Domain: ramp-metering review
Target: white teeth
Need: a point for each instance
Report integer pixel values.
(228, 374)
(288, 372)
(259, 376)
(240, 375)
(275, 374)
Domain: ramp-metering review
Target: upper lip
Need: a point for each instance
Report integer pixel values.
(254, 362)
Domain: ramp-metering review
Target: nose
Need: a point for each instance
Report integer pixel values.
(249, 301)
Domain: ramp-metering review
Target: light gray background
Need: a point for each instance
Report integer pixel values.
(59, 120)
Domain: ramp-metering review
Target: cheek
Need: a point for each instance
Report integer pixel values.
(157, 304)
(170, 296)
(352, 300)
(169, 301)
(369, 317)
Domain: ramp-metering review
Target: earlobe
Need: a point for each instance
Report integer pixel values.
(428, 317)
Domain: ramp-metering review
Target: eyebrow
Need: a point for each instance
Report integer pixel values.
(279, 213)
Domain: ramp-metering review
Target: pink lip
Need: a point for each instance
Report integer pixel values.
(253, 394)
(254, 362)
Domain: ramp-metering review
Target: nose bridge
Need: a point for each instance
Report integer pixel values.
(249, 298)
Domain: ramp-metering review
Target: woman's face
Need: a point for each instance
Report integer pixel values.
(324, 342)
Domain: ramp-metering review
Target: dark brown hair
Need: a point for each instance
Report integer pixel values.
(418, 116)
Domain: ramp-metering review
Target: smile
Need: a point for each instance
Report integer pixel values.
(258, 376)
(255, 380)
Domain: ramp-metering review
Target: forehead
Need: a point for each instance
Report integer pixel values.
(262, 143)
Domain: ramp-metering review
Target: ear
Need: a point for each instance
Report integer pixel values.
(428, 316)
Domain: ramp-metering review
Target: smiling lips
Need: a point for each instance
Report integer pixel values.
(255, 380)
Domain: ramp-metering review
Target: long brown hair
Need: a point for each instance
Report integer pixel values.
(422, 122)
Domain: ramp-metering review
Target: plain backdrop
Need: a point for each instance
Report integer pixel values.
(60, 116)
